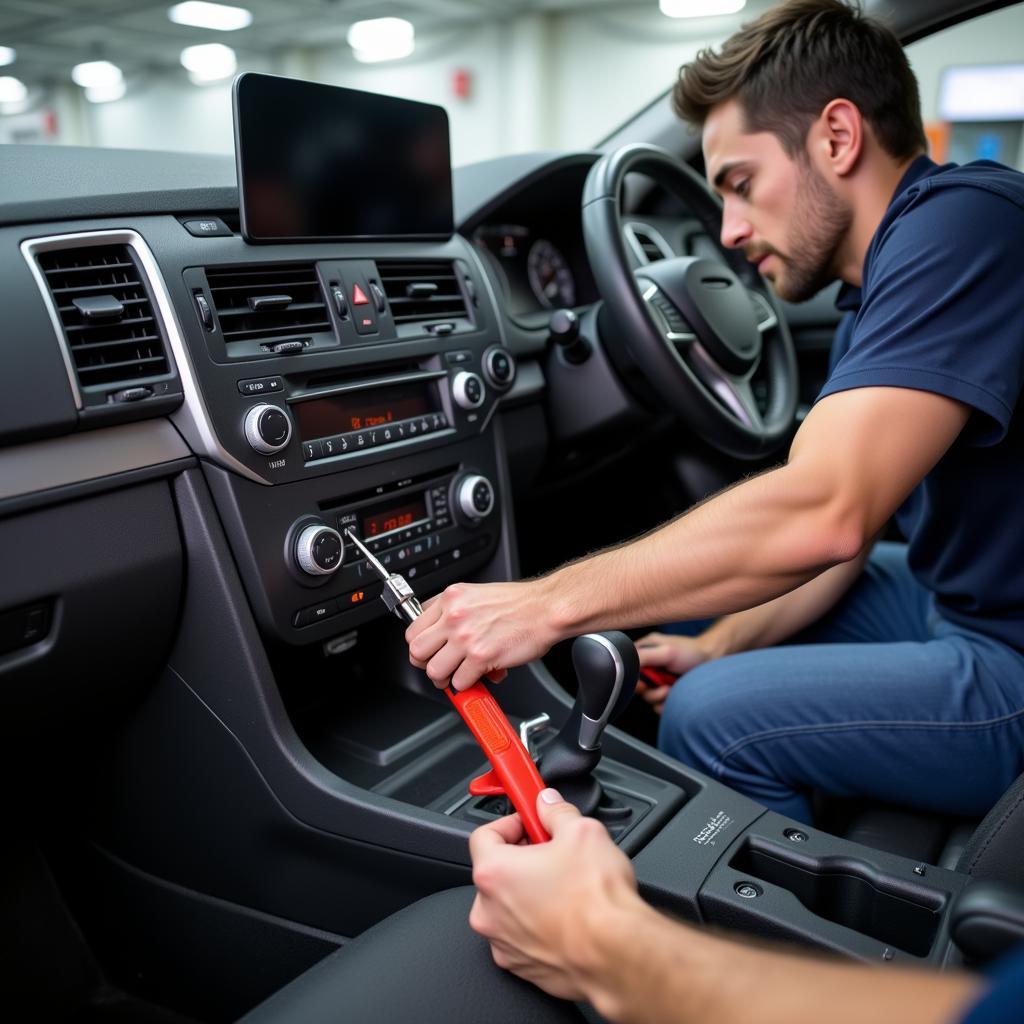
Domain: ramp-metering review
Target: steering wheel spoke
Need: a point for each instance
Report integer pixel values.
(767, 318)
(735, 393)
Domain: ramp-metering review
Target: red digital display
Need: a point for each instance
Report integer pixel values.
(340, 414)
(394, 518)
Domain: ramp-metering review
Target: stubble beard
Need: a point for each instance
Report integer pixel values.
(819, 226)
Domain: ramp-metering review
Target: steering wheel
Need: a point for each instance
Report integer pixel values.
(695, 329)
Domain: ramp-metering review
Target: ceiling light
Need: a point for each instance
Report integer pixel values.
(216, 16)
(381, 39)
(209, 62)
(7, 55)
(700, 8)
(96, 74)
(12, 90)
(105, 93)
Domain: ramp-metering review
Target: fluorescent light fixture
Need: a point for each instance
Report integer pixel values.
(381, 39)
(220, 17)
(985, 92)
(209, 62)
(700, 8)
(96, 74)
(105, 93)
(7, 55)
(12, 90)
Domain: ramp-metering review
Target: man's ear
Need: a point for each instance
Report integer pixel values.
(837, 137)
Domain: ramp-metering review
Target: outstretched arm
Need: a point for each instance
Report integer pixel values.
(854, 461)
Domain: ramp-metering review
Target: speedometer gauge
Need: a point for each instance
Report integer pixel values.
(550, 277)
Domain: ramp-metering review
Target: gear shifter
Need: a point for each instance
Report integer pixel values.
(607, 667)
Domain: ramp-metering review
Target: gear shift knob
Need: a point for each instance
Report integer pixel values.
(606, 667)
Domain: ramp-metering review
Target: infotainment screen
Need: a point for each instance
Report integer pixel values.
(323, 162)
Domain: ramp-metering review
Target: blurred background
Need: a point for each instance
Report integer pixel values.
(514, 75)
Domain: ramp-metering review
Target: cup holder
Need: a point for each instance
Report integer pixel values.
(848, 892)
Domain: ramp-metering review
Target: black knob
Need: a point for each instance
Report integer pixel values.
(468, 390)
(499, 367)
(564, 328)
(474, 497)
(607, 667)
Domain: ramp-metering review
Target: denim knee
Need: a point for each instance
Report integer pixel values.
(691, 716)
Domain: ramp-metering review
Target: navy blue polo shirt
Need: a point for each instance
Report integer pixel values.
(941, 309)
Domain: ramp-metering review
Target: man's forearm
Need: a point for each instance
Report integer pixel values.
(747, 546)
(647, 969)
(776, 621)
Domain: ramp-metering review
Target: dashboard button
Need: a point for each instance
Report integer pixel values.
(316, 613)
(207, 227)
(311, 450)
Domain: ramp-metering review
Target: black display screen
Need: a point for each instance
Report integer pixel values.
(323, 162)
(357, 410)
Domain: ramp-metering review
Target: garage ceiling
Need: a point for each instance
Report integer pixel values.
(51, 38)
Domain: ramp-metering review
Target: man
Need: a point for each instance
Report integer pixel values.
(908, 684)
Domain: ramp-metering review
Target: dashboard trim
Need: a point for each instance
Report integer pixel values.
(77, 458)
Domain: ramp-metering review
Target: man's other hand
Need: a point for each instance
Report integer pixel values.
(473, 630)
(674, 654)
(545, 909)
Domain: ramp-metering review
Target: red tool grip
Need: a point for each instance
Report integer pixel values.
(655, 677)
(512, 766)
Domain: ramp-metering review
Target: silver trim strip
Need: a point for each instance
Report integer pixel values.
(91, 455)
(193, 418)
(591, 729)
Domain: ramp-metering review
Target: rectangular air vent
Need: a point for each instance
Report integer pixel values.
(267, 301)
(112, 335)
(422, 291)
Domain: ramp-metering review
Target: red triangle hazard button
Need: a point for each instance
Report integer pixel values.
(358, 296)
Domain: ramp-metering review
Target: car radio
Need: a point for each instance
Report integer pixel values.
(414, 525)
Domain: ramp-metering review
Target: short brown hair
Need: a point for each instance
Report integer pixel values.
(789, 64)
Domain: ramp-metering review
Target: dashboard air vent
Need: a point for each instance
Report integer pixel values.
(420, 291)
(112, 334)
(267, 300)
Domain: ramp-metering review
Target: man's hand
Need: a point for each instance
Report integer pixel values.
(546, 908)
(675, 654)
(471, 631)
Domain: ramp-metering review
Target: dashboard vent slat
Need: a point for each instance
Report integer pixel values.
(109, 351)
(410, 305)
(236, 290)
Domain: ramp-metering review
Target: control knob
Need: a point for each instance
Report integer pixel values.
(499, 367)
(468, 390)
(319, 549)
(474, 497)
(267, 428)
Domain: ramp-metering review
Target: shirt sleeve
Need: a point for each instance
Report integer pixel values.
(942, 308)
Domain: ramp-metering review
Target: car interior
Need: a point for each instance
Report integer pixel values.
(219, 765)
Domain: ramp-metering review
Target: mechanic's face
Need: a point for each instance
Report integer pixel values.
(780, 211)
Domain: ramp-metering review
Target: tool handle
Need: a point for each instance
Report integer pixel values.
(511, 763)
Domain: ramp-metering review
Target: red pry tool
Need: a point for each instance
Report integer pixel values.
(513, 773)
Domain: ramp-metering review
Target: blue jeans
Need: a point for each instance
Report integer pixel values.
(881, 698)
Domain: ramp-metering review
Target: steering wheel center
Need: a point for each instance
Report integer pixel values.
(717, 307)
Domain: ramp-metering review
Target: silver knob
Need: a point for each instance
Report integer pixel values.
(267, 428)
(468, 390)
(475, 497)
(319, 550)
(499, 368)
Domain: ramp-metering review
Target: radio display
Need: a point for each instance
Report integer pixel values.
(394, 518)
(357, 410)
